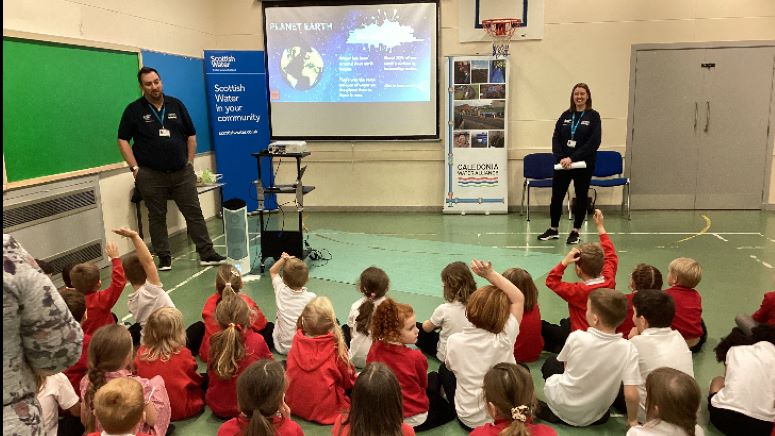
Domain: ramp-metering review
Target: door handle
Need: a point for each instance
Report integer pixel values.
(707, 116)
(696, 109)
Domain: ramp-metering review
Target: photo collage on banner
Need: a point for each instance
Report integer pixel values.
(477, 112)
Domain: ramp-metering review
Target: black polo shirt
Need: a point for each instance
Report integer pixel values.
(141, 123)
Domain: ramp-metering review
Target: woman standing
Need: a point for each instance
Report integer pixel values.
(575, 142)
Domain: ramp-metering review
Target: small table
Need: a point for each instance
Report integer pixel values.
(200, 189)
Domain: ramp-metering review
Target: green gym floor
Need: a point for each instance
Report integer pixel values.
(735, 248)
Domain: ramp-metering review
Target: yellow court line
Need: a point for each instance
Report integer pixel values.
(701, 232)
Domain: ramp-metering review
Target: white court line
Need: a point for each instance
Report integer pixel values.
(760, 261)
(720, 237)
(750, 247)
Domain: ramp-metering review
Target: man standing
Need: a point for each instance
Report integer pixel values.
(161, 160)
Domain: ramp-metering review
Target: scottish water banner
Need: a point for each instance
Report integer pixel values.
(476, 175)
(237, 102)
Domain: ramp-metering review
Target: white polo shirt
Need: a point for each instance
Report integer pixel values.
(289, 304)
(359, 342)
(749, 384)
(56, 393)
(450, 318)
(146, 300)
(596, 363)
(657, 427)
(657, 348)
(470, 354)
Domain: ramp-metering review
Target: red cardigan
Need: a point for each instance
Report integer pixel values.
(99, 304)
(688, 311)
(211, 324)
(221, 395)
(411, 369)
(76, 372)
(529, 341)
(183, 382)
(282, 427)
(318, 379)
(338, 430)
(491, 429)
(766, 313)
(627, 325)
(576, 294)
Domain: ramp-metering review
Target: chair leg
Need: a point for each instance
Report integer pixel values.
(522, 203)
(528, 203)
(629, 217)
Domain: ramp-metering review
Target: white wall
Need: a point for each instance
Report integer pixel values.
(586, 41)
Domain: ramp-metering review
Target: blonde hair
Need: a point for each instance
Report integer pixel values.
(318, 318)
(295, 273)
(119, 405)
(388, 320)
(227, 347)
(85, 277)
(163, 335)
(488, 309)
(685, 272)
(228, 276)
(109, 349)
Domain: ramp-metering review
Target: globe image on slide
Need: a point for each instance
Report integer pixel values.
(301, 67)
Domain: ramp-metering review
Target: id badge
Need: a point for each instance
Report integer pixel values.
(571, 143)
(166, 132)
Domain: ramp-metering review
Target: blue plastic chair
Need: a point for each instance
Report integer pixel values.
(609, 172)
(537, 169)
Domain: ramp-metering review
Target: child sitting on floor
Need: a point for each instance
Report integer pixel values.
(683, 275)
(85, 279)
(673, 399)
(644, 276)
(373, 284)
(529, 341)
(120, 405)
(290, 296)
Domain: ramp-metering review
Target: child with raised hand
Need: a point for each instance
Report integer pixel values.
(110, 357)
(290, 296)
(121, 408)
(147, 295)
(261, 397)
(495, 312)
(583, 381)
(644, 276)
(164, 353)
(393, 327)
(529, 341)
(510, 398)
(232, 350)
(373, 284)
(227, 275)
(683, 275)
(596, 266)
(673, 399)
(85, 278)
(318, 365)
(449, 317)
(376, 407)
(743, 400)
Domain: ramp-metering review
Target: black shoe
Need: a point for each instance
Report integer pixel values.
(544, 413)
(573, 238)
(165, 263)
(213, 259)
(549, 234)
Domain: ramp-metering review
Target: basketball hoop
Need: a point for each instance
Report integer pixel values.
(501, 31)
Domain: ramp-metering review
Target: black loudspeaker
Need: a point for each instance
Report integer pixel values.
(275, 242)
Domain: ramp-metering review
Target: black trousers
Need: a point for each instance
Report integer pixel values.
(698, 346)
(560, 183)
(428, 343)
(555, 335)
(440, 411)
(735, 423)
(448, 383)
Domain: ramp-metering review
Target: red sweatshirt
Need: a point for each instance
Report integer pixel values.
(529, 341)
(627, 325)
(282, 427)
(766, 313)
(318, 378)
(100, 303)
(688, 311)
(495, 429)
(221, 395)
(411, 369)
(76, 372)
(338, 430)
(184, 384)
(576, 294)
(211, 324)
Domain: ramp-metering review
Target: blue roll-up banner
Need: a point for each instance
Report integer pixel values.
(239, 120)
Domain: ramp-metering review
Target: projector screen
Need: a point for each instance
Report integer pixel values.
(352, 71)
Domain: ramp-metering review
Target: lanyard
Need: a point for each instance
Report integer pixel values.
(574, 124)
(164, 111)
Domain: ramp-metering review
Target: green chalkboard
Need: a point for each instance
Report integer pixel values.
(61, 106)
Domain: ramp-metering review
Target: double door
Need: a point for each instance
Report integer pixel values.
(700, 127)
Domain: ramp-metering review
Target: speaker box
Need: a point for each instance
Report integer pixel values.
(235, 226)
(275, 242)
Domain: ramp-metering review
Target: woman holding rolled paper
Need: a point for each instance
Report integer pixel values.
(575, 142)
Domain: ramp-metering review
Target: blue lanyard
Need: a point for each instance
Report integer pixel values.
(164, 111)
(574, 124)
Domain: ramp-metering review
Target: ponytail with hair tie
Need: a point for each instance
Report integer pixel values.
(520, 413)
(235, 326)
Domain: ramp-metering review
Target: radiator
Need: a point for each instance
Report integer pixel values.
(59, 222)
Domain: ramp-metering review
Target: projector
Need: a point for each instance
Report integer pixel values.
(286, 147)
